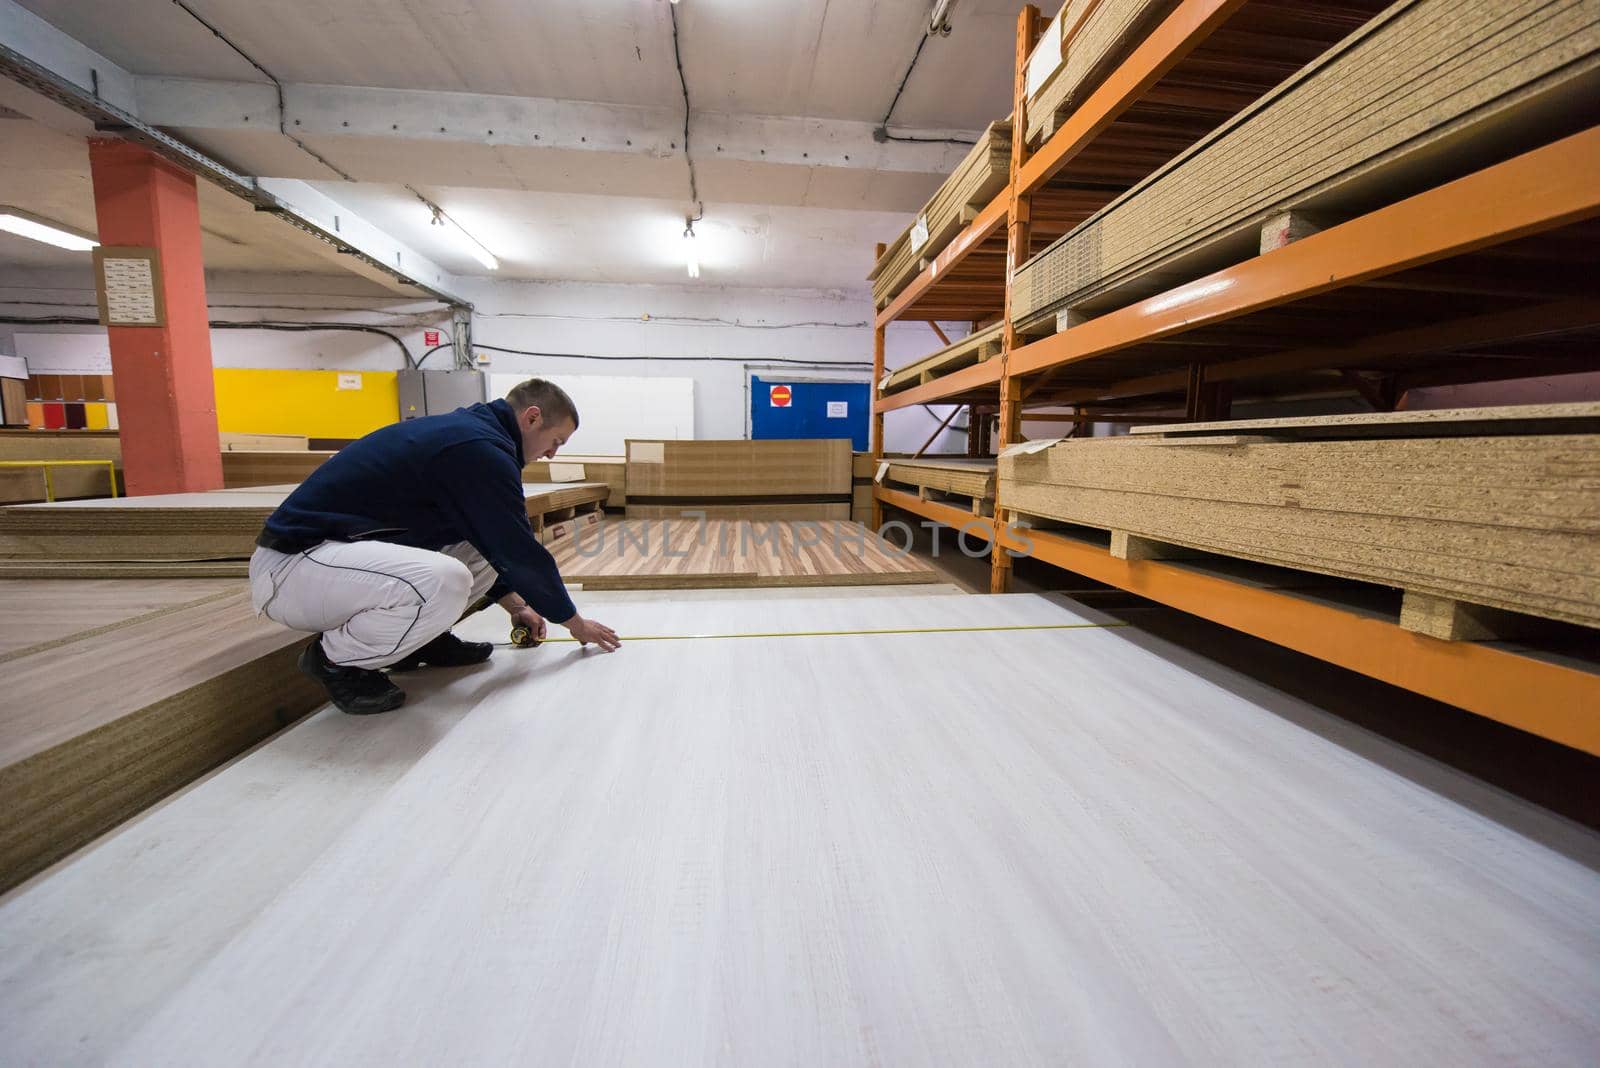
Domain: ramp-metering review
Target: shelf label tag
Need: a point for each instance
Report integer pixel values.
(883, 469)
(919, 233)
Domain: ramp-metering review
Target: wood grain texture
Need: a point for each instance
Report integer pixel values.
(259, 467)
(1508, 522)
(781, 512)
(821, 851)
(708, 469)
(687, 554)
(222, 524)
(92, 731)
(38, 611)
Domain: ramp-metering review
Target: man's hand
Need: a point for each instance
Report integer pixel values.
(523, 616)
(587, 631)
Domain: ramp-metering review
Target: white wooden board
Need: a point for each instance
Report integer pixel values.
(614, 408)
(839, 850)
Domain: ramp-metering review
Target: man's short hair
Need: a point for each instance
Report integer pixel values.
(551, 400)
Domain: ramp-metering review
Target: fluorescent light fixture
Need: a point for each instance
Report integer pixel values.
(460, 238)
(691, 254)
(26, 224)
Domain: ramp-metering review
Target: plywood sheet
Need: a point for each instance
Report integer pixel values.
(1577, 417)
(687, 554)
(612, 470)
(1163, 863)
(258, 467)
(35, 612)
(709, 468)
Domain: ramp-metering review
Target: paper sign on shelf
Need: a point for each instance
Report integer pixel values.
(919, 233)
(1046, 58)
(883, 469)
(350, 380)
(647, 452)
(566, 472)
(838, 409)
(883, 383)
(1024, 447)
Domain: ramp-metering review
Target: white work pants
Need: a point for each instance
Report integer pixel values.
(374, 602)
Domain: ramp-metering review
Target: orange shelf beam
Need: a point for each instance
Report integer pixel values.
(948, 514)
(977, 232)
(1539, 190)
(1548, 699)
(1182, 31)
(984, 375)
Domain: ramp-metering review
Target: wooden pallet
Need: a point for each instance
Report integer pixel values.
(1426, 92)
(1508, 521)
(975, 348)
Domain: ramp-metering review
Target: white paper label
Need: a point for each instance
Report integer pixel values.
(566, 472)
(350, 381)
(130, 292)
(838, 409)
(1046, 55)
(1024, 447)
(919, 233)
(883, 383)
(647, 452)
(883, 469)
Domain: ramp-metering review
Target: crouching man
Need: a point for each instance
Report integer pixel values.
(382, 548)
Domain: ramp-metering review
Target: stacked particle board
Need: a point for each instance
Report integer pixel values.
(232, 442)
(1062, 73)
(250, 467)
(805, 479)
(975, 348)
(27, 483)
(982, 174)
(861, 471)
(635, 554)
(220, 525)
(1492, 507)
(963, 480)
(1425, 92)
(612, 470)
(102, 717)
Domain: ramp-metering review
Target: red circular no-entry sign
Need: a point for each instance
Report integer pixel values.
(781, 396)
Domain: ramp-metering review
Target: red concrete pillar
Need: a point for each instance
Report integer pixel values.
(166, 399)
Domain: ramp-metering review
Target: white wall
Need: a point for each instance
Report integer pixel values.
(744, 328)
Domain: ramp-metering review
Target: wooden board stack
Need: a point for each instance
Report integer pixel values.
(634, 554)
(862, 470)
(982, 174)
(259, 467)
(27, 484)
(959, 479)
(235, 442)
(221, 525)
(803, 479)
(1425, 92)
(112, 707)
(611, 470)
(1103, 33)
(975, 348)
(1429, 502)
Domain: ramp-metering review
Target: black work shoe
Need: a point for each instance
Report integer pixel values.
(445, 651)
(357, 691)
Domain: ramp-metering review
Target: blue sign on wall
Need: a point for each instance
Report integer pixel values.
(798, 409)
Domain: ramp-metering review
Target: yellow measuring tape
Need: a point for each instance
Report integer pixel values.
(856, 633)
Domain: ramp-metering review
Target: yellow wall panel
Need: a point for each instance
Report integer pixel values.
(269, 401)
(95, 414)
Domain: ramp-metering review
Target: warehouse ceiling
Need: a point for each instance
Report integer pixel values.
(552, 131)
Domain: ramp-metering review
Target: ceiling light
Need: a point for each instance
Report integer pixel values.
(26, 224)
(460, 238)
(691, 255)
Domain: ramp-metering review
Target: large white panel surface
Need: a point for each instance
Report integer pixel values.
(613, 408)
(820, 850)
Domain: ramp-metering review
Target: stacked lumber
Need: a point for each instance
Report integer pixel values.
(1486, 507)
(219, 525)
(232, 442)
(778, 480)
(975, 348)
(1063, 72)
(27, 483)
(976, 180)
(970, 481)
(862, 470)
(1423, 93)
(256, 467)
(612, 470)
(635, 554)
(107, 713)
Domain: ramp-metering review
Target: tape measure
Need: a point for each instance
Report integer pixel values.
(523, 636)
